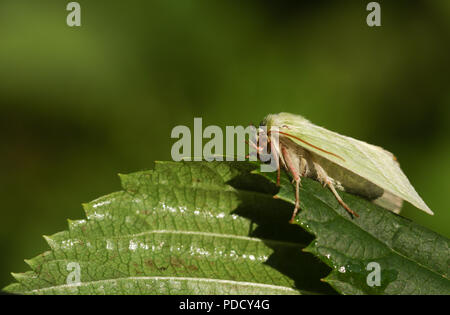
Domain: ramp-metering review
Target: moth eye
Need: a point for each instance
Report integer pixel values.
(285, 127)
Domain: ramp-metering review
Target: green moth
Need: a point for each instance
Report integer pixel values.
(337, 161)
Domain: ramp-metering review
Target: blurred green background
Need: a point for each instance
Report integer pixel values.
(79, 105)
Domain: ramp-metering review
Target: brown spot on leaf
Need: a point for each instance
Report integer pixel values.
(149, 263)
(176, 262)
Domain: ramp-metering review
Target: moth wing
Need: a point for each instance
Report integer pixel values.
(368, 161)
(390, 202)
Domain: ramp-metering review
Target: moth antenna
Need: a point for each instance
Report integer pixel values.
(307, 143)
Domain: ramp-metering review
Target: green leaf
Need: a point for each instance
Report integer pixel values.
(412, 259)
(214, 228)
(183, 228)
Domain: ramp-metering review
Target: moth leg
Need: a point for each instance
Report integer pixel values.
(297, 179)
(258, 149)
(323, 177)
(275, 156)
(303, 166)
(297, 201)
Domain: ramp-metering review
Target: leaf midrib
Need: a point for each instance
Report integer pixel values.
(243, 283)
(256, 239)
